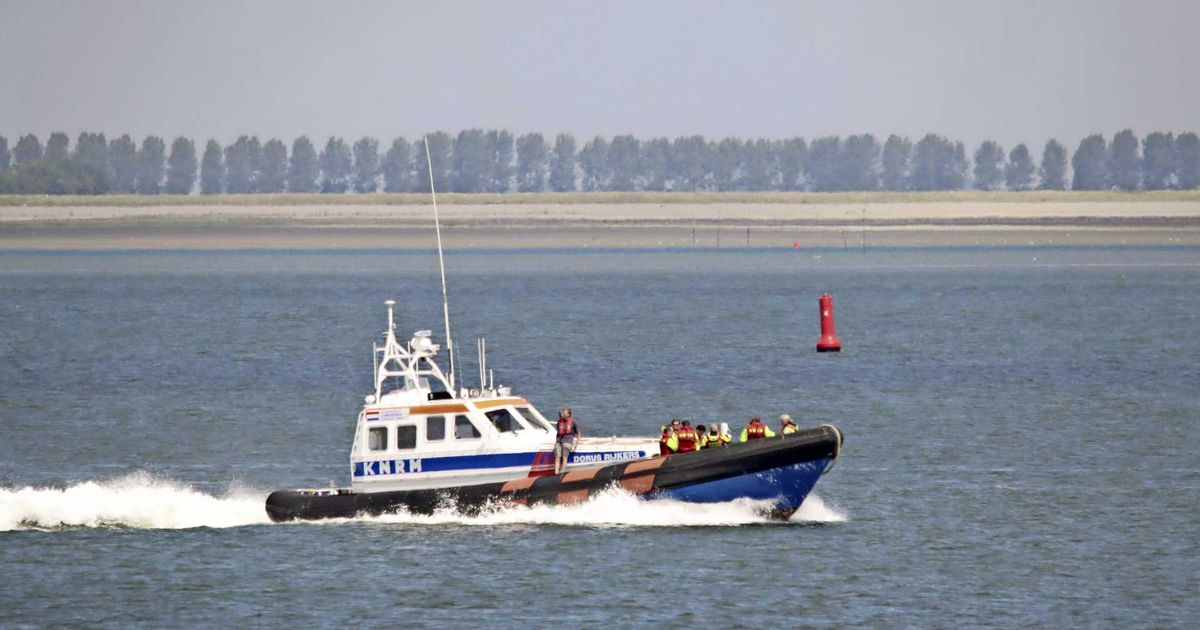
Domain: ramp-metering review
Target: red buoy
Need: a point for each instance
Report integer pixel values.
(828, 341)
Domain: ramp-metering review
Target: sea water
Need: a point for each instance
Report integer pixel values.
(1022, 439)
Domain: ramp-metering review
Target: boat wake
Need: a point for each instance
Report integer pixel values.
(144, 501)
(137, 501)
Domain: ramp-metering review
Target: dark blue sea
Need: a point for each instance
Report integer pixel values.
(1022, 438)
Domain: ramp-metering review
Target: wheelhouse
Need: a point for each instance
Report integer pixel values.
(416, 431)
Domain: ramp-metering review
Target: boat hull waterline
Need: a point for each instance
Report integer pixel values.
(781, 471)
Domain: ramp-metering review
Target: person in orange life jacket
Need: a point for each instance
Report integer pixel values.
(715, 437)
(668, 443)
(786, 426)
(756, 429)
(564, 444)
(687, 437)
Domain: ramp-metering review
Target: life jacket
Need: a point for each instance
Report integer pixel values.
(566, 426)
(687, 439)
(788, 428)
(755, 430)
(664, 443)
(715, 439)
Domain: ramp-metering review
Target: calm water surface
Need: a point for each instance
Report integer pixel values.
(1022, 437)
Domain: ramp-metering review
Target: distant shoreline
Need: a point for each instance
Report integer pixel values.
(588, 198)
(1134, 220)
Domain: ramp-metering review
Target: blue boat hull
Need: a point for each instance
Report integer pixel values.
(786, 487)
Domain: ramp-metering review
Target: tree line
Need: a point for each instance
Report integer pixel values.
(478, 161)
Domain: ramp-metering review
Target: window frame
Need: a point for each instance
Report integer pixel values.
(372, 431)
(533, 418)
(520, 424)
(477, 434)
(435, 421)
(400, 430)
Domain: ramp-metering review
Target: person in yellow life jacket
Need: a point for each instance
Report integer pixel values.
(715, 437)
(756, 429)
(786, 426)
(701, 436)
(668, 443)
(687, 437)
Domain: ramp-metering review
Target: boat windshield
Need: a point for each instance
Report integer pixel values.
(504, 421)
(532, 420)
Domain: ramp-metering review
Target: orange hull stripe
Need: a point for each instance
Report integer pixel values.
(638, 485)
(572, 496)
(647, 464)
(518, 484)
(580, 475)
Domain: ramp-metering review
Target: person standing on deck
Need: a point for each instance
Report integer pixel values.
(756, 430)
(564, 445)
(687, 437)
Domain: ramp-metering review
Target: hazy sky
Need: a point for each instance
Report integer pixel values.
(1009, 70)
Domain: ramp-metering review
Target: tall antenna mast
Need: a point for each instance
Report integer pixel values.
(442, 264)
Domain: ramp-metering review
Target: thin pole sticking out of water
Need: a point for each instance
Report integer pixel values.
(437, 224)
(864, 231)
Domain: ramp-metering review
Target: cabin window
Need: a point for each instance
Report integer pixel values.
(377, 439)
(406, 436)
(504, 421)
(464, 429)
(435, 428)
(532, 419)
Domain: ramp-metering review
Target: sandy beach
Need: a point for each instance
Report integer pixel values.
(602, 225)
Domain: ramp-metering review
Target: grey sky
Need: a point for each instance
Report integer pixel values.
(1012, 71)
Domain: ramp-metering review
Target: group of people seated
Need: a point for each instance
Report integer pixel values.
(680, 437)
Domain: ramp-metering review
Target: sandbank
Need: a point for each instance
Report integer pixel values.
(602, 225)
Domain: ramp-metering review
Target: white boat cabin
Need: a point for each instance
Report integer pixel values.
(414, 432)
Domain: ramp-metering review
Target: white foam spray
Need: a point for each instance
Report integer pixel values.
(814, 510)
(143, 501)
(617, 508)
(139, 500)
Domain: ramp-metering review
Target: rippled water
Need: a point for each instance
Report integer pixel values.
(1022, 438)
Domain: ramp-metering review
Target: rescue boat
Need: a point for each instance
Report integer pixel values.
(421, 444)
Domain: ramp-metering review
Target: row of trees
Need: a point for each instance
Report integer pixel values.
(496, 161)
